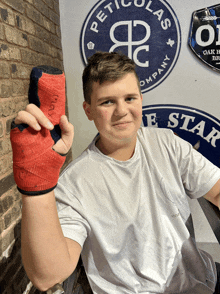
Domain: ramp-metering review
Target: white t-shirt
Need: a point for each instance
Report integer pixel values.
(133, 220)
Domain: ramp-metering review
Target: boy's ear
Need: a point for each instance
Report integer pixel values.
(87, 109)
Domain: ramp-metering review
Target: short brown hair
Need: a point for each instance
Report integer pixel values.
(105, 66)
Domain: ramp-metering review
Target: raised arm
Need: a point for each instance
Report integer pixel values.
(48, 257)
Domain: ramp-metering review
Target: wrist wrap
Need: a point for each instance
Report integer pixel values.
(36, 165)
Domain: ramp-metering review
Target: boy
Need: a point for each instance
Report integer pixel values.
(122, 204)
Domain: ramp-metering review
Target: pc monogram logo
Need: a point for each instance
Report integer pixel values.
(146, 31)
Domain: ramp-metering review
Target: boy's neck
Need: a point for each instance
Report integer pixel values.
(121, 153)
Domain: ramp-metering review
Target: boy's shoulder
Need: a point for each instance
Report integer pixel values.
(157, 139)
(155, 132)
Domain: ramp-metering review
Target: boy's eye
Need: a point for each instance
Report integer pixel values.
(130, 99)
(107, 102)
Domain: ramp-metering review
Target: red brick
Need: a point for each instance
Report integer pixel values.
(58, 64)
(15, 36)
(19, 70)
(28, 56)
(58, 32)
(42, 7)
(15, 4)
(55, 41)
(16, 194)
(23, 283)
(16, 210)
(1, 228)
(3, 286)
(6, 183)
(14, 53)
(49, 3)
(60, 54)
(57, 8)
(49, 25)
(4, 51)
(54, 17)
(7, 203)
(6, 240)
(42, 34)
(18, 88)
(35, 15)
(5, 89)
(1, 208)
(25, 24)
(37, 45)
(9, 53)
(43, 59)
(4, 70)
(1, 129)
(6, 15)
(8, 125)
(7, 107)
(12, 270)
(2, 35)
(7, 220)
(20, 275)
(5, 164)
(21, 105)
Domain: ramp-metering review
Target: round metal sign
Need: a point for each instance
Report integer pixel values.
(146, 31)
(197, 127)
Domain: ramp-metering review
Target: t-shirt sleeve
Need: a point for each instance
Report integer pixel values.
(70, 212)
(198, 174)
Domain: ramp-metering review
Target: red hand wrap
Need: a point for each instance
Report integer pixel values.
(51, 92)
(36, 165)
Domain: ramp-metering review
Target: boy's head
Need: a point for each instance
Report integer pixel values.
(105, 66)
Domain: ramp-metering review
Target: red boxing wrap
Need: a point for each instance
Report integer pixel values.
(36, 165)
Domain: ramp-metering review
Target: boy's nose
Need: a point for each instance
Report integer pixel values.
(121, 109)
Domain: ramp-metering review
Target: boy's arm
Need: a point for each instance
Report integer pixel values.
(214, 194)
(40, 137)
(48, 257)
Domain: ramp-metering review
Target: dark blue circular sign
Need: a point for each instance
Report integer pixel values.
(197, 127)
(146, 31)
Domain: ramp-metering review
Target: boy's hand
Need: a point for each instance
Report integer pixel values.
(36, 119)
(41, 135)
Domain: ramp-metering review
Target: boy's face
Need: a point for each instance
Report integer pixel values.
(116, 109)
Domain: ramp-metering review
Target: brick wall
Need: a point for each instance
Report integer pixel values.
(29, 36)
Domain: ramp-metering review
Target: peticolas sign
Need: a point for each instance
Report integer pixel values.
(197, 127)
(146, 31)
